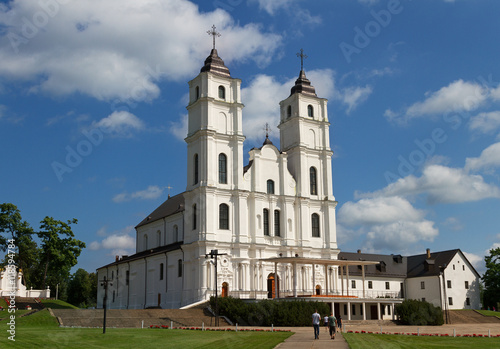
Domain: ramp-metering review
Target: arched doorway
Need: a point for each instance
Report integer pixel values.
(271, 289)
(318, 290)
(225, 289)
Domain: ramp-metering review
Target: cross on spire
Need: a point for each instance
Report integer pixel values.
(302, 57)
(213, 33)
(267, 129)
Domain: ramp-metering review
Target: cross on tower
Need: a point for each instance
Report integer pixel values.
(213, 33)
(267, 129)
(302, 57)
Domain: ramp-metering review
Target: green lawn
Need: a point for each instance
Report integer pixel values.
(57, 304)
(489, 312)
(40, 330)
(383, 341)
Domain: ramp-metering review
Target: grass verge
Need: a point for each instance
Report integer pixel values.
(383, 341)
(57, 304)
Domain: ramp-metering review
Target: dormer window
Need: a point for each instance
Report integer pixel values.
(222, 92)
(310, 111)
(289, 111)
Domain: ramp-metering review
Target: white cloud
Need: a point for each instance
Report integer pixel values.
(291, 8)
(457, 96)
(179, 129)
(120, 49)
(119, 123)
(441, 184)
(476, 261)
(272, 6)
(485, 122)
(453, 223)
(379, 210)
(353, 96)
(387, 223)
(151, 193)
(489, 158)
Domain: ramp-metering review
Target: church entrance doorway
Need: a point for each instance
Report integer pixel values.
(225, 288)
(271, 289)
(373, 311)
(318, 290)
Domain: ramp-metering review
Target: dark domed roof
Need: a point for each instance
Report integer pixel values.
(303, 85)
(215, 64)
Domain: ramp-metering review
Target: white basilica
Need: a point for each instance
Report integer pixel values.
(272, 220)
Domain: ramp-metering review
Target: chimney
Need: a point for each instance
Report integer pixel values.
(428, 253)
(359, 251)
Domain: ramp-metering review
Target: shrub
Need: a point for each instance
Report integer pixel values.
(419, 313)
(269, 312)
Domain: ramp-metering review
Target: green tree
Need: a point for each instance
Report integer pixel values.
(491, 279)
(82, 289)
(59, 250)
(12, 224)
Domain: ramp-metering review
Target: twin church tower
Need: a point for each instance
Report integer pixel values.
(280, 203)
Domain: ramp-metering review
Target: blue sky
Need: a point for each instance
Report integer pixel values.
(93, 97)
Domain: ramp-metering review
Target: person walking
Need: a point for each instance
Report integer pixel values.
(325, 323)
(332, 323)
(316, 318)
(339, 323)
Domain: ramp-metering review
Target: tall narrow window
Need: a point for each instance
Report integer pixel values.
(176, 233)
(197, 92)
(387, 285)
(450, 300)
(195, 166)
(448, 283)
(222, 168)
(312, 180)
(161, 271)
(265, 215)
(315, 225)
(158, 238)
(194, 216)
(289, 111)
(370, 284)
(127, 277)
(277, 223)
(223, 216)
(310, 111)
(466, 285)
(222, 92)
(270, 186)
(145, 242)
(353, 283)
(179, 268)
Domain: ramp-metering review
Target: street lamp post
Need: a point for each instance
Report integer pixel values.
(213, 255)
(105, 283)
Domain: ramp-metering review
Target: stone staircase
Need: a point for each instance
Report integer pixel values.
(470, 317)
(135, 318)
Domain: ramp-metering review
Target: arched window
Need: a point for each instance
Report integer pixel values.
(145, 241)
(222, 92)
(270, 186)
(195, 172)
(194, 216)
(289, 111)
(265, 215)
(312, 180)
(222, 168)
(197, 93)
(223, 216)
(176, 233)
(277, 223)
(310, 111)
(315, 225)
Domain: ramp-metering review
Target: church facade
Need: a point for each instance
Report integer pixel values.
(272, 220)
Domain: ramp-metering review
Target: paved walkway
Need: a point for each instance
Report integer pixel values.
(304, 338)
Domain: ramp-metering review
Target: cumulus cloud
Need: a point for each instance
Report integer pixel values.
(458, 96)
(151, 193)
(387, 223)
(118, 243)
(476, 261)
(353, 96)
(180, 128)
(120, 123)
(441, 184)
(95, 47)
(487, 122)
(489, 158)
(291, 7)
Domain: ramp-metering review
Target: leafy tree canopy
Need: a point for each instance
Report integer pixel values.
(491, 279)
